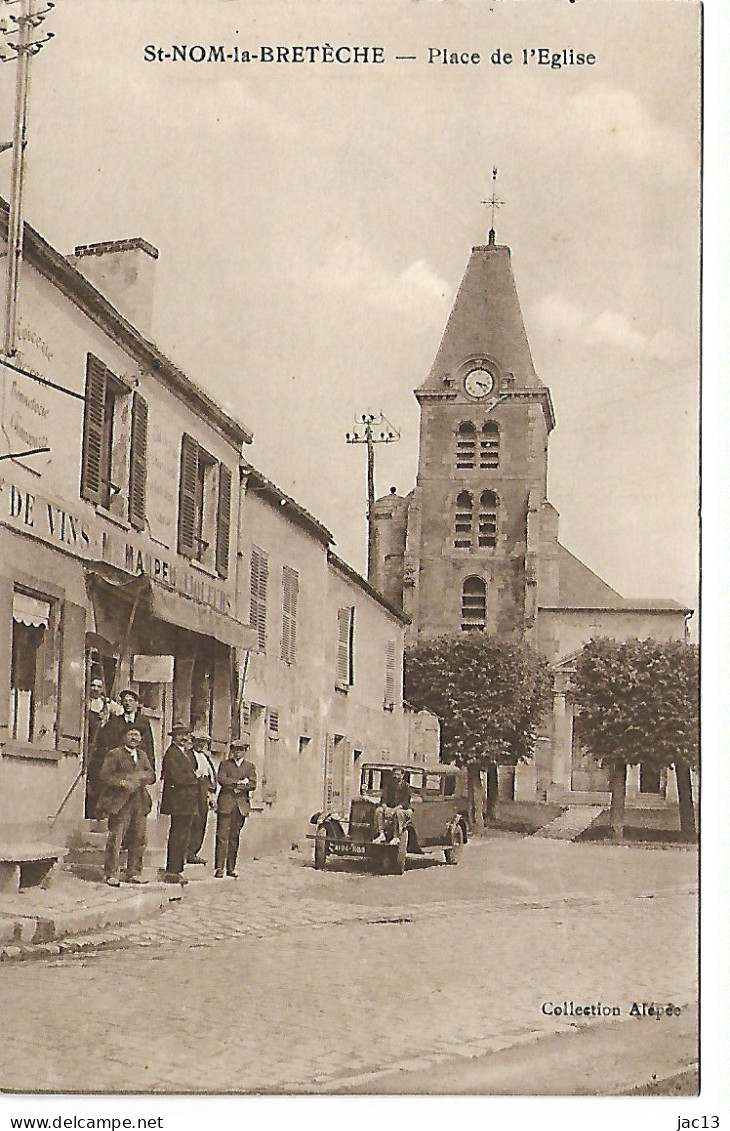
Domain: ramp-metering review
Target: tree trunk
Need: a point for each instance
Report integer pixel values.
(618, 799)
(476, 798)
(492, 792)
(686, 802)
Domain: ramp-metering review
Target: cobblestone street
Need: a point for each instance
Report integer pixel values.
(294, 980)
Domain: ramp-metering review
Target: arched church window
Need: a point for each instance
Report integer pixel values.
(487, 519)
(473, 605)
(489, 445)
(463, 520)
(466, 446)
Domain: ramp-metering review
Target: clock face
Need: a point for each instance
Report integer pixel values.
(478, 383)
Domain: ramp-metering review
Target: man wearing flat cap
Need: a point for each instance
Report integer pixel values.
(113, 733)
(237, 779)
(180, 790)
(206, 794)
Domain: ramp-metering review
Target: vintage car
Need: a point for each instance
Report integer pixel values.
(439, 811)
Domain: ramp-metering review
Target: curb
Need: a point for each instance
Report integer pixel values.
(17, 932)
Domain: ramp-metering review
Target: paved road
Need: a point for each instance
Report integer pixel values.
(291, 980)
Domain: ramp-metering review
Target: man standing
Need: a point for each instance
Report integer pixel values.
(180, 790)
(395, 807)
(206, 793)
(125, 800)
(113, 732)
(237, 779)
(99, 708)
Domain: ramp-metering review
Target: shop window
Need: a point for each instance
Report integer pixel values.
(488, 519)
(345, 674)
(259, 587)
(466, 446)
(101, 473)
(34, 671)
(489, 445)
(463, 519)
(473, 604)
(289, 600)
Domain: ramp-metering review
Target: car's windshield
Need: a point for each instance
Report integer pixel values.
(373, 778)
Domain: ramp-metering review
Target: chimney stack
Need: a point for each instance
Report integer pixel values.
(123, 270)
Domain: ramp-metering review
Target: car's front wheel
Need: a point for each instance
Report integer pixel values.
(399, 863)
(320, 847)
(452, 855)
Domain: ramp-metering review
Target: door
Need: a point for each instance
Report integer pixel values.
(336, 775)
(586, 775)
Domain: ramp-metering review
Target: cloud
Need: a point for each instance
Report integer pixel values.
(351, 268)
(618, 124)
(560, 317)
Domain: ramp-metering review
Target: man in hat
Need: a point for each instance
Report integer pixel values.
(237, 779)
(125, 800)
(180, 790)
(131, 712)
(206, 793)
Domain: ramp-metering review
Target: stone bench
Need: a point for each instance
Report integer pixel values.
(27, 865)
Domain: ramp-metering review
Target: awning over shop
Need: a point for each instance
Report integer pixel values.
(31, 611)
(177, 609)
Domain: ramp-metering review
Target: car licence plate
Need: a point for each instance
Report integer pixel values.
(347, 849)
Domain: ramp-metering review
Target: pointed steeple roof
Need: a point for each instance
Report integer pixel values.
(486, 321)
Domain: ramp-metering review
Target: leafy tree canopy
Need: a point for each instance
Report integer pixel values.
(488, 693)
(639, 701)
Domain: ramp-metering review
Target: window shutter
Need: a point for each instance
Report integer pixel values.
(138, 464)
(223, 525)
(389, 700)
(259, 587)
(92, 454)
(186, 525)
(329, 756)
(71, 702)
(343, 647)
(290, 594)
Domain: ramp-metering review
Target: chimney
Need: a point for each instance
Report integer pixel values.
(124, 272)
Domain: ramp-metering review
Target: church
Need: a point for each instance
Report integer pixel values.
(475, 545)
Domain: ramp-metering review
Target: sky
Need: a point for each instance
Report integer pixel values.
(314, 222)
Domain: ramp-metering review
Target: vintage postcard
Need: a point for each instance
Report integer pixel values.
(349, 594)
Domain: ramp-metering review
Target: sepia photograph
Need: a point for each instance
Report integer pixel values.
(349, 550)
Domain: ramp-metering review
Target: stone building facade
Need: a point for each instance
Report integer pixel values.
(475, 546)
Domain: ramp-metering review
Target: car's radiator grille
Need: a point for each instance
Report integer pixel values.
(362, 821)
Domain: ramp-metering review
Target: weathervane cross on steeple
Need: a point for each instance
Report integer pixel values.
(494, 203)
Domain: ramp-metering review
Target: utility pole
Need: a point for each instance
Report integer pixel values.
(370, 429)
(23, 26)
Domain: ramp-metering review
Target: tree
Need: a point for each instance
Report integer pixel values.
(489, 694)
(639, 702)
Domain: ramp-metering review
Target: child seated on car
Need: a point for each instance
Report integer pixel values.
(394, 810)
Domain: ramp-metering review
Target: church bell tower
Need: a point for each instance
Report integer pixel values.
(471, 543)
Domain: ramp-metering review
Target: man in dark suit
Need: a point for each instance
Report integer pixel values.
(237, 779)
(113, 733)
(125, 800)
(180, 793)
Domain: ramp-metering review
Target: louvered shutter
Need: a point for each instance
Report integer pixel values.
(93, 454)
(187, 512)
(259, 586)
(290, 593)
(223, 537)
(329, 754)
(138, 464)
(71, 701)
(389, 701)
(343, 647)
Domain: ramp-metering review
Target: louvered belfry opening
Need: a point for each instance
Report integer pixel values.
(466, 446)
(463, 520)
(489, 446)
(488, 519)
(474, 604)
